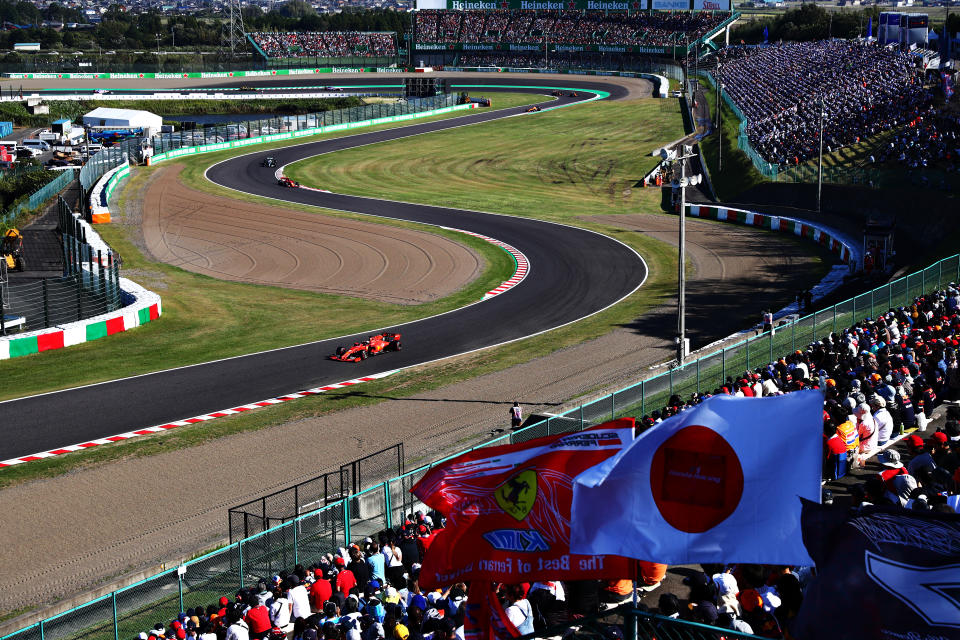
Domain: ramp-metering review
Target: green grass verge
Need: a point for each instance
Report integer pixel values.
(738, 173)
(556, 165)
(205, 318)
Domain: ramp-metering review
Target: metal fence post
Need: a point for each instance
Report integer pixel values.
(240, 552)
(939, 274)
(46, 304)
(746, 344)
(41, 629)
(698, 375)
(923, 281)
(834, 318)
(671, 381)
(346, 521)
(613, 406)
(116, 623)
(180, 589)
(581, 417)
(296, 527)
(386, 504)
(643, 400)
(723, 363)
(854, 300)
(890, 296)
(771, 345)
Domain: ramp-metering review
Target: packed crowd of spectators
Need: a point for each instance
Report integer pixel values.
(660, 28)
(878, 376)
(328, 44)
(865, 89)
(931, 139)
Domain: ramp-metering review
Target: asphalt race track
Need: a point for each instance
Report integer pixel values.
(573, 273)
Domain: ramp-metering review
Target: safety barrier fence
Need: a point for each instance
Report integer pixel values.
(250, 132)
(89, 287)
(38, 197)
(127, 611)
(280, 506)
(925, 178)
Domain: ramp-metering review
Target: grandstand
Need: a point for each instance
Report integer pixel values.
(364, 47)
(473, 37)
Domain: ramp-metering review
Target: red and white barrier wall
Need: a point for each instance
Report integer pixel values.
(831, 239)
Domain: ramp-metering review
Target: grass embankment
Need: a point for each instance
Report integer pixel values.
(234, 317)
(205, 318)
(738, 173)
(17, 111)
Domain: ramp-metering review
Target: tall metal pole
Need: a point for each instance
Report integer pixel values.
(820, 161)
(681, 271)
(720, 134)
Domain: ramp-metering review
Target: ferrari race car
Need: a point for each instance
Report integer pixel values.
(269, 161)
(287, 182)
(372, 346)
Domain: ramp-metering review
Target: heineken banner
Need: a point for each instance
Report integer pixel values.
(205, 74)
(498, 47)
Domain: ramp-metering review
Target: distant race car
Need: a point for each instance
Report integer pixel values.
(269, 162)
(533, 108)
(374, 345)
(573, 94)
(333, 88)
(287, 182)
(556, 93)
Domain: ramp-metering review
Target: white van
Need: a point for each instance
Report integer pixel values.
(34, 143)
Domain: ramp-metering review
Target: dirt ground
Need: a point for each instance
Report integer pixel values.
(233, 240)
(81, 531)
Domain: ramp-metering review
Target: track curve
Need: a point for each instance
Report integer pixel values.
(574, 273)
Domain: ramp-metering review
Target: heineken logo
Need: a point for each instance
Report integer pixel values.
(465, 5)
(600, 5)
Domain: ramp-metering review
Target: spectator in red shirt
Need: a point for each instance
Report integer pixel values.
(257, 618)
(345, 579)
(320, 591)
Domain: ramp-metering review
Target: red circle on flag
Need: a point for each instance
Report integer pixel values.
(696, 479)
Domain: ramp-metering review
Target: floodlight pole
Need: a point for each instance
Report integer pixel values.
(681, 270)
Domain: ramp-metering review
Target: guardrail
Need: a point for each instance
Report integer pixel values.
(128, 611)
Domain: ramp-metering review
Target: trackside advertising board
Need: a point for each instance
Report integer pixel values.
(259, 73)
(582, 5)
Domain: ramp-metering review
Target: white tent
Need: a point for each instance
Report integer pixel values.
(104, 117)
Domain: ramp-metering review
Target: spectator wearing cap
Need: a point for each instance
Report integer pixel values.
(922, 457)
(866, 432)
(668, 605)
(882, 419)
(299, 598)
(345, 580)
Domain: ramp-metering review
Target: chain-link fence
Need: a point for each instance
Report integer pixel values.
(126, 612)
(89, 287)
(285, 505)
(38, 197)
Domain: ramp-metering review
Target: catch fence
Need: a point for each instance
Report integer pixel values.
(89, 287)
(126, 612)
(38, 197)
(133, 149)
(768, 169)
(284, 505)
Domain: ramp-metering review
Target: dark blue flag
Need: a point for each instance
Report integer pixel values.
(882, 572)
(870, 28)
(766, 35)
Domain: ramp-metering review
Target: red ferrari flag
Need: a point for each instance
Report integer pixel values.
(508, 510)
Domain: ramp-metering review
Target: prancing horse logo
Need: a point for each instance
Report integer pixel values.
(517, 495)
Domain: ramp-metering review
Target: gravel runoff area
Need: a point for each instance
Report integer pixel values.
(77, 532)
(258, 244)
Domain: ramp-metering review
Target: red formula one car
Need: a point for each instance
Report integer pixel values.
(372, 346)
(287, 182)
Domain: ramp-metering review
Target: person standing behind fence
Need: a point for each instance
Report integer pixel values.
(516, 415)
